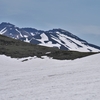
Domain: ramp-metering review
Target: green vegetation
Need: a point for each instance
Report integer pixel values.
(18, 49)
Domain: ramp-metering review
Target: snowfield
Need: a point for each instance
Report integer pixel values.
(33, 78)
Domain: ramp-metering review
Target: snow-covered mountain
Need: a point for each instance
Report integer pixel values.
(49, 79)
(59, 38)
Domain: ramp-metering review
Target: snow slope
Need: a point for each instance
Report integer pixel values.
(48, 79)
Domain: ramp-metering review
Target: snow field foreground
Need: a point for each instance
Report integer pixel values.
(48, 79)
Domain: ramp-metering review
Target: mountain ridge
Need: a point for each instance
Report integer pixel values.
(58, 38)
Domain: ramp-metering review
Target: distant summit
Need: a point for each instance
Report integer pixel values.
(57, 38)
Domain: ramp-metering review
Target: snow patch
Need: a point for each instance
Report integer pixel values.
(19, 32)
(43, 38)
(27, 40)
(32, 34)
(47, 52)
(25, 36)
(3, 31)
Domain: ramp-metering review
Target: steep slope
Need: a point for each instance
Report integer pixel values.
(48, 79)
(58, 38)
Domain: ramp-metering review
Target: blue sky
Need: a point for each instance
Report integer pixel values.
(80, 17)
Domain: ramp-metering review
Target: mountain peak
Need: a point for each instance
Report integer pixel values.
(6, 24)
(58, 38)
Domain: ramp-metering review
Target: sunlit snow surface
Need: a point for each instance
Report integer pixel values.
(66, 41)
(48, 79)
